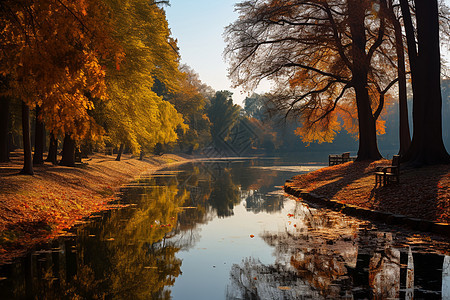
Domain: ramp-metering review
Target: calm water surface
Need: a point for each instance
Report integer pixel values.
(224, 230)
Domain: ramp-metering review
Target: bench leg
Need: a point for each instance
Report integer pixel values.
(377, 180)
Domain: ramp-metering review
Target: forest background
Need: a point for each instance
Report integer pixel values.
(106, 76)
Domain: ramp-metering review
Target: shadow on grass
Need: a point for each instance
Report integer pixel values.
(341, 177)
(420, 194)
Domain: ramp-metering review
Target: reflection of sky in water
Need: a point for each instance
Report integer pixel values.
(446, 278)
(225, 242)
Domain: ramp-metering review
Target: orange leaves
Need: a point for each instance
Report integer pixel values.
(299, 78)
(381, 126)
(317, 128)
(56, 63)
(348, 113)
(119, 57)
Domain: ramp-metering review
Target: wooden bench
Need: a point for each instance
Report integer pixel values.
(336, 159)
(388, 174)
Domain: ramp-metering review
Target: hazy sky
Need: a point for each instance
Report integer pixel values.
(198, 25)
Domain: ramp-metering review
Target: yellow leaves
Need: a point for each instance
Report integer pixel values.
(137, 116)
(322, 131)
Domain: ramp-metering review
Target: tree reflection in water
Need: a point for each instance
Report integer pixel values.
(253, 280)
(224, 195)
(337, 259)
(125, 256)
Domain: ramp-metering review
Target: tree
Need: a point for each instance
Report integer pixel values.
(254, 106)
(427, 146)
(223, 115)
(326, 59)
(39, 140)
(50, 55)
(190, 99)
(136, 116)
(404, 134)
(27, 160)
(4, 130)
(52, 149)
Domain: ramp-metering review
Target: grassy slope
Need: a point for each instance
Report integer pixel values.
(36, 208)
(422, 193)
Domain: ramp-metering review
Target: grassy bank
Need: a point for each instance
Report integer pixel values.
(37, 208)
(422, 193)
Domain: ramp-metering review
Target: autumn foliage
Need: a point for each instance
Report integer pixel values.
(90, 68)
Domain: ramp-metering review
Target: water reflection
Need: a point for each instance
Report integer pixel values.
(253, 280)
(116, 258)
(222, 230)
(338, 259)
(446, 278)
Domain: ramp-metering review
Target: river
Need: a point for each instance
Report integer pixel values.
(225, 230)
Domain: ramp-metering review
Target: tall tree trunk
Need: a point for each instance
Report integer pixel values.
(52, 150)
(405, 136)
(119, 155)
(368, 148)
(427, 146)
(39, 140)
(68, 155)
(4, 130)
(413, 58)
(26, 134)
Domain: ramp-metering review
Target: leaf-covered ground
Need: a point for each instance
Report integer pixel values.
(36, 208)
(422, 193)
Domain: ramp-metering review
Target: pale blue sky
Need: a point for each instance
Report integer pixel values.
(198, 25)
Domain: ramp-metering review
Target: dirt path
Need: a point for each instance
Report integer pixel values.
(37, 208)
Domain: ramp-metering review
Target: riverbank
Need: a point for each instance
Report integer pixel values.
(423, 193)
(37, 208)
